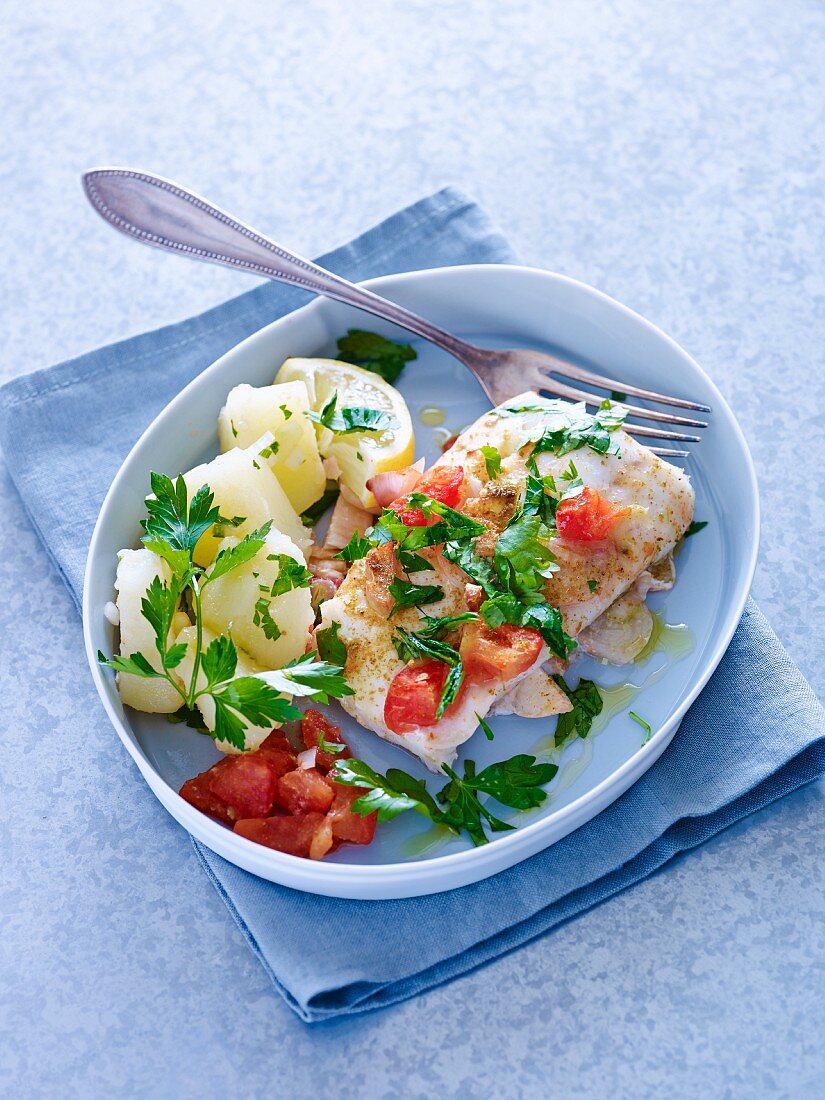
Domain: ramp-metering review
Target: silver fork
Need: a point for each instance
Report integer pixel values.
(160, 213)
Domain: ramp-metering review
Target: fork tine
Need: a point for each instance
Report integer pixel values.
(582, 374)
(561, 390)
(668, 452)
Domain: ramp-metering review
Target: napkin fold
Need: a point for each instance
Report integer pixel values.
(756, 732)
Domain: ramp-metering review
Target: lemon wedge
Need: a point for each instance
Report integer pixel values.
(360, 455)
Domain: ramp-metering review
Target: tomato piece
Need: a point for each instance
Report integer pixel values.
(302, 835)
(277, 752)
(413, 696)
(499, 653)
(587, 517)
(304, 791)
(197, 793)
(235, 787)
(346, 824)
(442, 483)
(315, 727)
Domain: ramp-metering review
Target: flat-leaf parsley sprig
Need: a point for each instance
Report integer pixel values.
(517, 782)
(173, 527)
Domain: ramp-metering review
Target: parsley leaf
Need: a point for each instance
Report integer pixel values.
(232, 556)
(219, 661)
(522, 561)
(354, 418)
(516, 782)
(358, 547)
(411, 646)
(291, 574)
(286, 411)
(592, 585)
(464, 810)
(389, 795)
(488, 733)
(306, 676)
(476, 567)
(262, 617)
(136, 665)
(438, 626)
(330, 646)
(492, 460)
(375, 353)
(694, 528)
(587, 703)
(579, 429)
(311, 515)
(174, 525)
(248, 700)
(407, 594)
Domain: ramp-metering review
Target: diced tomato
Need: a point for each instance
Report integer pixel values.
(235, 787)
(304, 791)
(301, 835)
(413, 696)
(587, 517)
(442, 483)
(448, 443)
(277, 752)
(498, 654)
(197, 793)
(316, 727)
(347, 825)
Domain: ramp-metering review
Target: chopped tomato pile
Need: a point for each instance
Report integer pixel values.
(588, 516)
(442, 483)
(487, 654)
(266, 795)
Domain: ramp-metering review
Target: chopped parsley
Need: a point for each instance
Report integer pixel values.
(587, 703)
(376, 353)
(492, 461)
(645, 725)
(695, 527)
(407, 594)
(286, 411)
(358, 547)
(353, 418)
(330, 646)
(592, 585)
(311, 515)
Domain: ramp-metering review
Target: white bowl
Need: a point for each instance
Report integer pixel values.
(504, 307)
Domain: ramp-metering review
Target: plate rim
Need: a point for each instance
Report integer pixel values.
(471, 864)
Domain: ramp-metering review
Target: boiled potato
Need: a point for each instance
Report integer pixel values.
(244, 486)
(136, 569)
(254, 735)
(251, 412)
(229, 604)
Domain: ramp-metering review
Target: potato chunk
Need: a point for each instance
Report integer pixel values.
(136, 570)
(254, 735)
(236, 600)
(244, 486)
(252, 411)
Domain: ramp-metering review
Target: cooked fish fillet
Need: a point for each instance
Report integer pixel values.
(660, 499)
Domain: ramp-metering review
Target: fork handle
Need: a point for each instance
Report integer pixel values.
(158, 212)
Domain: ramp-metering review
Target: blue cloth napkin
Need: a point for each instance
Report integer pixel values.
(756, 733)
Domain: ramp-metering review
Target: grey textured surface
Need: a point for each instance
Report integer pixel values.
(670, 156)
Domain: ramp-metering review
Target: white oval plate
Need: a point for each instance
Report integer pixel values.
(504, 307)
